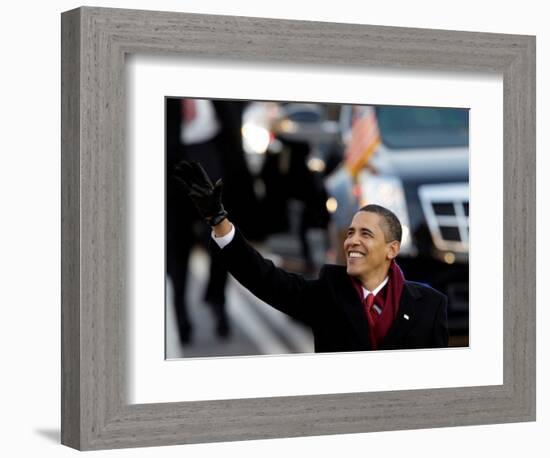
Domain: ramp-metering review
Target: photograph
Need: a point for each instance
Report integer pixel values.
(297, 227)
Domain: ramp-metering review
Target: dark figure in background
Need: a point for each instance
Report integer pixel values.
(286, 176)
(208, 132)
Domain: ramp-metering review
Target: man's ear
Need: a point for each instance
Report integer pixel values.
(393, 250)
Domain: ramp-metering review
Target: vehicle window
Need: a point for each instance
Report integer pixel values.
(304, 116)
(420, 127)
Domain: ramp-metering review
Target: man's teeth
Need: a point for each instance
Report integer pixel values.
(355, 254)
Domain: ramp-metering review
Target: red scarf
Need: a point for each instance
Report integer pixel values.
(388, 300)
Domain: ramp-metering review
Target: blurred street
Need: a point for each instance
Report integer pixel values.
(256, 328)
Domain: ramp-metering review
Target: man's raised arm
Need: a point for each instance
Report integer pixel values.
(283, 290)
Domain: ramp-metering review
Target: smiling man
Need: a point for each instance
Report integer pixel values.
(365, 305)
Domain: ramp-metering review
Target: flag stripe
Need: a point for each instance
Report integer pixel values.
(364, 141)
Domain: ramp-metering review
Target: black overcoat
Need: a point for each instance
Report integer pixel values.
(331, 306)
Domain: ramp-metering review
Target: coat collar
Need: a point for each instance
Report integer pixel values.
(353, 307)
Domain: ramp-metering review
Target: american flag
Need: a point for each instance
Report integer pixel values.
(364, 140)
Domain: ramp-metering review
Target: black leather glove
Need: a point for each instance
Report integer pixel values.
(206, 196)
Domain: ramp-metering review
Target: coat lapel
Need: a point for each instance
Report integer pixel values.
(348, 297)
(404, 319)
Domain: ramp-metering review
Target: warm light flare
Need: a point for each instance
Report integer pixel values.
(332, 205)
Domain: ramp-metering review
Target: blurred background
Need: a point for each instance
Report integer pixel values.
(294, 174)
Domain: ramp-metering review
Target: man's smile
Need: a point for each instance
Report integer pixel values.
(355, 254)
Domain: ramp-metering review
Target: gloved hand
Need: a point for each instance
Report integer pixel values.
(206, 196)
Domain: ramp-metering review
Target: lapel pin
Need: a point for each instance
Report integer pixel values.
(406, 316)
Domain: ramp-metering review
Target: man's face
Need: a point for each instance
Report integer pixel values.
(368, 254)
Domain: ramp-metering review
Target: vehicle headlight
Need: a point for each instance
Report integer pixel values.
(388, 192)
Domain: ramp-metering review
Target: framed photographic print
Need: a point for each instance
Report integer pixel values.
(136, 88)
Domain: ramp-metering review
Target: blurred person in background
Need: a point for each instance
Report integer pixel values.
(365, 305)
(295, 197)
(208, 132)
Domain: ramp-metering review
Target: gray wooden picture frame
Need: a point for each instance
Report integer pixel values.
(95, 41)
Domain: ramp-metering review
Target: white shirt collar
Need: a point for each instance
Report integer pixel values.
(376, 290)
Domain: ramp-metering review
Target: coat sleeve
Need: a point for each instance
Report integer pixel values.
(440, 335)
(288, 292)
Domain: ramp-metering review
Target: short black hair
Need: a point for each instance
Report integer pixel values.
(391, 225)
